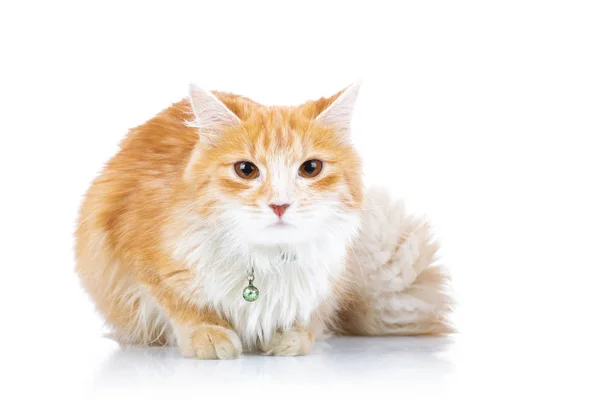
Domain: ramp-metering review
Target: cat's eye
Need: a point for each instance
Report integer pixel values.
(310, 168)
(246, 170)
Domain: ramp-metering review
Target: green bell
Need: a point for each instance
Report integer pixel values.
(250, 293)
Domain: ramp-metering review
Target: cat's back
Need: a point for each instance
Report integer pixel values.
(163, 143)
(138, 184)
(151, 156)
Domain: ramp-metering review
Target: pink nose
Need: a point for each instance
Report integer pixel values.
(279, 209)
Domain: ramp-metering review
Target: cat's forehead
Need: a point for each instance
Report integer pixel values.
(260, 133)
(283, 133)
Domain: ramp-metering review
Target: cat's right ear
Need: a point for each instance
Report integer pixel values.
(211, 115)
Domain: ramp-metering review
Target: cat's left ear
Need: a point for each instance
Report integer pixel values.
(339, 113)
(211, 115)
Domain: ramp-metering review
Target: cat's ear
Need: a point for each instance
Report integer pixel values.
(211, 115)
(339, 113)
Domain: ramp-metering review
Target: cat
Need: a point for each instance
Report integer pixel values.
(224, 226)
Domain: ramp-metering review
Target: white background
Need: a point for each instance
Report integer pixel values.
(485, 116)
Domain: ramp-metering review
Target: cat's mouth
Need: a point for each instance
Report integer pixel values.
(281, 225)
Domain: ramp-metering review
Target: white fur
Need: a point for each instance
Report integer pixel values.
(293, 279)
(402, 290)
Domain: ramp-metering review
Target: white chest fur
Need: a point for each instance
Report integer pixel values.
(290, 289)
(293, 281)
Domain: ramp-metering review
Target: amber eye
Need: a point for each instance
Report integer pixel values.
(246, 170)
(310, 168)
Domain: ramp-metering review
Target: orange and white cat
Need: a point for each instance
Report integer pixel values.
(217, 192)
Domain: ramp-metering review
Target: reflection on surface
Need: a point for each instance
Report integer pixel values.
(338, 360)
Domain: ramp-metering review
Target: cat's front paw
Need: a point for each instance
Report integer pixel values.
(211, 342)
(292, 343)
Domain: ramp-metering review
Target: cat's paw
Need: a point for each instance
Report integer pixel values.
(292, 343)
(211, 342)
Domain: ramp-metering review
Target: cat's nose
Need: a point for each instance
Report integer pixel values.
(279, 209)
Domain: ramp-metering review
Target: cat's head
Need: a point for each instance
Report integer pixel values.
(275, 175)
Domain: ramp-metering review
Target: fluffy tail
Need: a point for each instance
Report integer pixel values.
(398, 287)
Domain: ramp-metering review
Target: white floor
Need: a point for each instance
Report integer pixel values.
(409, 367)
(341, 360)
(345, 362)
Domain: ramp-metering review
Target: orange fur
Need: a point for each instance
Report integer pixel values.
(128, 207)
(136, 211)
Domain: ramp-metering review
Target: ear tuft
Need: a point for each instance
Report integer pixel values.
(211, 115)
(339, 113)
